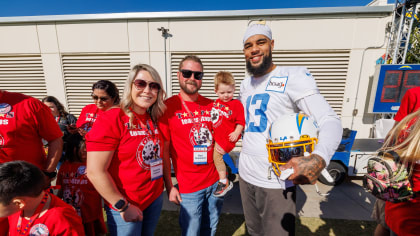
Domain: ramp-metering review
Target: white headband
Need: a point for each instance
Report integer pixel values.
(257, 29)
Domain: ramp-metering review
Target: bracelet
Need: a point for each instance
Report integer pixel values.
(126, 207)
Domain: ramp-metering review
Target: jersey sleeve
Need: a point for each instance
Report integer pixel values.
(47, 127)
(300, 84)
(105, 134)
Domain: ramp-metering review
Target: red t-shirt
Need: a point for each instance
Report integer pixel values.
(60, 219)
(404, 218)
(79, 192)
(225, 116)
(184, 132)
(410, 103)
(134, 148)
(24, 122)
(89, 114)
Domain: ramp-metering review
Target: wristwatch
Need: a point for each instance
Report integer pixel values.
(120, 204)
(50, 175)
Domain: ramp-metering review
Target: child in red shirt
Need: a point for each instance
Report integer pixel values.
(228, 120)
(76, 188)
(30, 209)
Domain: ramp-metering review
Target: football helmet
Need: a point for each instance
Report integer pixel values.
(290, 136)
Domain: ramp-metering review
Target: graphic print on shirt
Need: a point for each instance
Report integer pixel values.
(1, 141)
(256, 105)
(39, 230)
(218, 112)
(147, 151)
(216, 118)
(90, 119)
(200, 135)
(74, 195)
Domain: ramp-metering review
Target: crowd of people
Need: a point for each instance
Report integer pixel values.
(121, 150)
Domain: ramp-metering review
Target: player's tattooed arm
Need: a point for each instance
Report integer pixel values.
(307, 169)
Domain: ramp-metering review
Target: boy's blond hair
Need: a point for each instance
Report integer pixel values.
(223, 77)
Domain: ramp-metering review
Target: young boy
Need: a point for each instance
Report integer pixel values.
(30, 209)
(228, 123)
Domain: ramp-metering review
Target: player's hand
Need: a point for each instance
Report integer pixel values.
(233, 137)
(174, 196)
(132, 214)
(307, 169)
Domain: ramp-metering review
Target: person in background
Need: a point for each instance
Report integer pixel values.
(404, 139)
(24, 122)
(228, 123)
(105, 96)
(409, 104)
(66, 121)
(125, 156)
(30, 209)
(77, 190)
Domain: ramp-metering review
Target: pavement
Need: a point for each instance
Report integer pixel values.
(346, 201)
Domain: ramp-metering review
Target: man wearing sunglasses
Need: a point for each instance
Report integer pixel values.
(270, 92)
(187, 129)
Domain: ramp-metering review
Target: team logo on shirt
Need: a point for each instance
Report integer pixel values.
(277, 84)
(81, 170)
(147, 151)
(39, 230)
(5, 108)
(200, 135)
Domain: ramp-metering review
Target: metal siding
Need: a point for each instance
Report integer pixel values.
(81, 71)
(328, 67)
(23, 74)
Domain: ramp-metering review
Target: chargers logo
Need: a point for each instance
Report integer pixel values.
(39, 230)
(406, 67)
(300, 118)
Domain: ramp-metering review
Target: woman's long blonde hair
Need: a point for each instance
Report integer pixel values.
(409, 149)
(158, 108)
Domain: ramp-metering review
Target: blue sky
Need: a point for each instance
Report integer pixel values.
(60, 7)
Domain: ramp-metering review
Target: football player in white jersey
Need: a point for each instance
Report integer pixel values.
(270, 92)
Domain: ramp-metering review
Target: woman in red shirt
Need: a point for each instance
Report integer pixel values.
(404, 218)
(125, 155)
(105, 96)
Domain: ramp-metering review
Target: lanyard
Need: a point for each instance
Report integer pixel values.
(33, 218)
(149, 127)
(189, 112)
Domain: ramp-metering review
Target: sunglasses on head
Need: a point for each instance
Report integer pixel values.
(141, 84)
(198, 75)
(103, 99)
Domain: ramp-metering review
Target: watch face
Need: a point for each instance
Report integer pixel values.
(119, 205)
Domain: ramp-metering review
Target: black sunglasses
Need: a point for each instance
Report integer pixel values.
(141, 84)
(198, 75)
(103, 99)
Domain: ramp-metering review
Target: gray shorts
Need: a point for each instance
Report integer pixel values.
(268, 212)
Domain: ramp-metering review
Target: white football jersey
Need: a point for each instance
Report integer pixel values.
(265, 99)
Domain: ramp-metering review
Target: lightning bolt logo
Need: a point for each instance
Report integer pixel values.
(299, 121)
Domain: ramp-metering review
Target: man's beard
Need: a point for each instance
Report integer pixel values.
(184, 87)
(262, 68)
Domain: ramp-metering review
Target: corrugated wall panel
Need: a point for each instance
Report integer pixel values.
(329, 68)
(81, 71)
(23, 74)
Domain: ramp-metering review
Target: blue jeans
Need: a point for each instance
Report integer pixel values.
(117, 226)
(200, 212)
